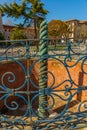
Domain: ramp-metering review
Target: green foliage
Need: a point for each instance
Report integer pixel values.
(17, 34)
(57, 29)
(1, 36)
(27, 10)
(85, 34)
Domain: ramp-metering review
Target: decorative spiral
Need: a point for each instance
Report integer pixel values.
(82, 106)
(11, 78)
(13, 104)
(83, 65)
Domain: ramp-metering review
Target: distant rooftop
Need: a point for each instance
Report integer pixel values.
(83, 21)
(71, 20)
(80, 21)
(8, 25)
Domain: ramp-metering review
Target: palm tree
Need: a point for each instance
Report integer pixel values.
(27, 10)
(36, 12)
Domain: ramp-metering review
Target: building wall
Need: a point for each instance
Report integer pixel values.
(1, 25)
(30, 32)
(7, 31)
(78, 29)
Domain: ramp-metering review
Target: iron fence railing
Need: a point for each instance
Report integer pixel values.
(43, 87)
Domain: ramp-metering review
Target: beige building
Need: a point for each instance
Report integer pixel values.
(77, 29)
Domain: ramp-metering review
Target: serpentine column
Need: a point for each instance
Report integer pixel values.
(43, 51)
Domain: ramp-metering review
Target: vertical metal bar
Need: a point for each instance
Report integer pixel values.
(69, 50)
(28, 63)
(43, 51)
(28, 78)
(80, 83)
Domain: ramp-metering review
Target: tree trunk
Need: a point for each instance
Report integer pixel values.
(35, 28)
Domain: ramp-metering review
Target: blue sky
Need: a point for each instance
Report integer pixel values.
(66, 9)
(62, 9)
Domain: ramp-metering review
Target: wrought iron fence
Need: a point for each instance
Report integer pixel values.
(43, 88)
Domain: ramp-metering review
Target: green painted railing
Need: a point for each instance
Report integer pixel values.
(43, 88)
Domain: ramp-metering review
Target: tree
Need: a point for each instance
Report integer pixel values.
(1, 36)
(57, 29)
(17, 34)
(37, 13)
(27, 10)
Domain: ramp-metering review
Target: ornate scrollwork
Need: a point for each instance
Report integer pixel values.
(28, 93)
(82, 106)
(11, 78)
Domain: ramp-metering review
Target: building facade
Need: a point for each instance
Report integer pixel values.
(77, 29)
(6, 30)
(1, 24)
